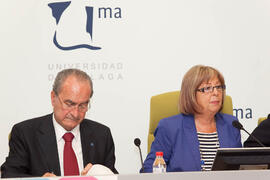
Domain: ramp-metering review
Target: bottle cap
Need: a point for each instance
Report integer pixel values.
(159, 153)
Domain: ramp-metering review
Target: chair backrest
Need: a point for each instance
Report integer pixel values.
(166, 105)
(261, 119)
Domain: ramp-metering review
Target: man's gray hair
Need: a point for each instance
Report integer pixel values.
(64, 74)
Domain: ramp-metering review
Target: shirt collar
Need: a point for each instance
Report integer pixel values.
(60, 131)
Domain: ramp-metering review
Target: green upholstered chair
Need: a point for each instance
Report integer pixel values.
(261, 119)
(166, 105)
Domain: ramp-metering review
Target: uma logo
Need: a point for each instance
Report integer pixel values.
(74, 24)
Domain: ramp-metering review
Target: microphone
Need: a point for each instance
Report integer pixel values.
(137, 143)
(239, 126)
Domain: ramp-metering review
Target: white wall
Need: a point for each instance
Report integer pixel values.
(144, 53)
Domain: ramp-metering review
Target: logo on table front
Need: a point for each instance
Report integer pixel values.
(75, 23)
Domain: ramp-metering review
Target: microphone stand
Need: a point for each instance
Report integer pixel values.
(141, 158)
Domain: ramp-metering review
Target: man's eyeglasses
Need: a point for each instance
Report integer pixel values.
(69, 105)
(210, 89)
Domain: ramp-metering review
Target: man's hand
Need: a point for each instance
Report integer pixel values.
(86, 169)
(47, 174)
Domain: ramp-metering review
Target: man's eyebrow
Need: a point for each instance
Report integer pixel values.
(73, 103)
(69, 101)
(86, 102)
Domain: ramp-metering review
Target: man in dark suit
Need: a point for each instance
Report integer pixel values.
(262, 133)
(38, 147)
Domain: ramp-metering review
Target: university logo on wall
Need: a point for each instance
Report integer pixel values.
(75, 24)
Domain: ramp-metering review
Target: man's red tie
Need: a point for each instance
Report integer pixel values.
(70, 161)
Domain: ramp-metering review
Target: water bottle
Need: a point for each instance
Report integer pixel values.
(159, 165)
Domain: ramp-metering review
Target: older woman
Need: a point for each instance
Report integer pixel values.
(189, 140)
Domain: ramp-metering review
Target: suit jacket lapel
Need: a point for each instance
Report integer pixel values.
(88, 143)
(48, 146)
(222, 130)
(192, 139)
